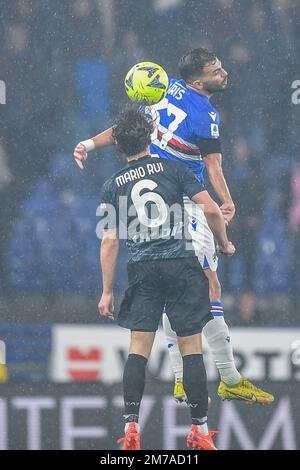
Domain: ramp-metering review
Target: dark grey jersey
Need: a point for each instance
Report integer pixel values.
(147, 198)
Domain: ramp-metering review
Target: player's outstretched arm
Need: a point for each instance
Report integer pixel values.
(213, 163)
(215, 221)
(104, 139)
(108, 257)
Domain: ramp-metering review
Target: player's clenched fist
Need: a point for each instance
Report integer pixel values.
(81, 151)
(228, 210)
(227, 250)
(106, 305)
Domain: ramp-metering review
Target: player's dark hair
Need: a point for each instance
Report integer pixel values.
(191, 64)
(132, 130)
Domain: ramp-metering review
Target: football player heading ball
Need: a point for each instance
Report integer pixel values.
(188, 131)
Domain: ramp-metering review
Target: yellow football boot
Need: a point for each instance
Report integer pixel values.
(3, 373)
(245, 391)
(179, 393)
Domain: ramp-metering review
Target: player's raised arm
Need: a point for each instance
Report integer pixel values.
(104, 139)
(213, 163)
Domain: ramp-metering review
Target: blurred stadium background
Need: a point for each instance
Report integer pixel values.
(63, 65)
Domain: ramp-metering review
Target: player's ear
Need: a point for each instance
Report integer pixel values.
(198, 83)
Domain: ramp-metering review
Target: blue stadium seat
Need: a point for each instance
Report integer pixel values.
(273, 256)
(92, 77)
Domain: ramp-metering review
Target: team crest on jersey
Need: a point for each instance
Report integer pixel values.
(214, 129)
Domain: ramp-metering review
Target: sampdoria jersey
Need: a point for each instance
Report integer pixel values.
(187, 127)
(141, 196)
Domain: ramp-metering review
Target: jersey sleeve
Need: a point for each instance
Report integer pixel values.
(188, 181)
(108, 207)
(206, 128)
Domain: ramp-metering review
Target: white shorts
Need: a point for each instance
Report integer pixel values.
(201, 235)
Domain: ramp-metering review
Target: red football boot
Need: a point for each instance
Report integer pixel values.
(196, 440)
(132, 439)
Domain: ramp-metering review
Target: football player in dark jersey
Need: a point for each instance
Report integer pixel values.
(147, 197)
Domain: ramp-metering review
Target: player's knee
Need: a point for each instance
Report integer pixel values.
(190, 344)
(141, 343)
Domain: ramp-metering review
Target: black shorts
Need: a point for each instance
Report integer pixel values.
(179, 284)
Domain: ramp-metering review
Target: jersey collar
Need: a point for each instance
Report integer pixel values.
(139, 160)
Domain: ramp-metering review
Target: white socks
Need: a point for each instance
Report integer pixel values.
(173, 348)
(203, 428)
(217, 335)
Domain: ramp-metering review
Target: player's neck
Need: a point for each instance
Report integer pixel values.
(144, 153)
(201, 92)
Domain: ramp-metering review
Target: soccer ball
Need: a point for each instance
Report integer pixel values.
(146, 83)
